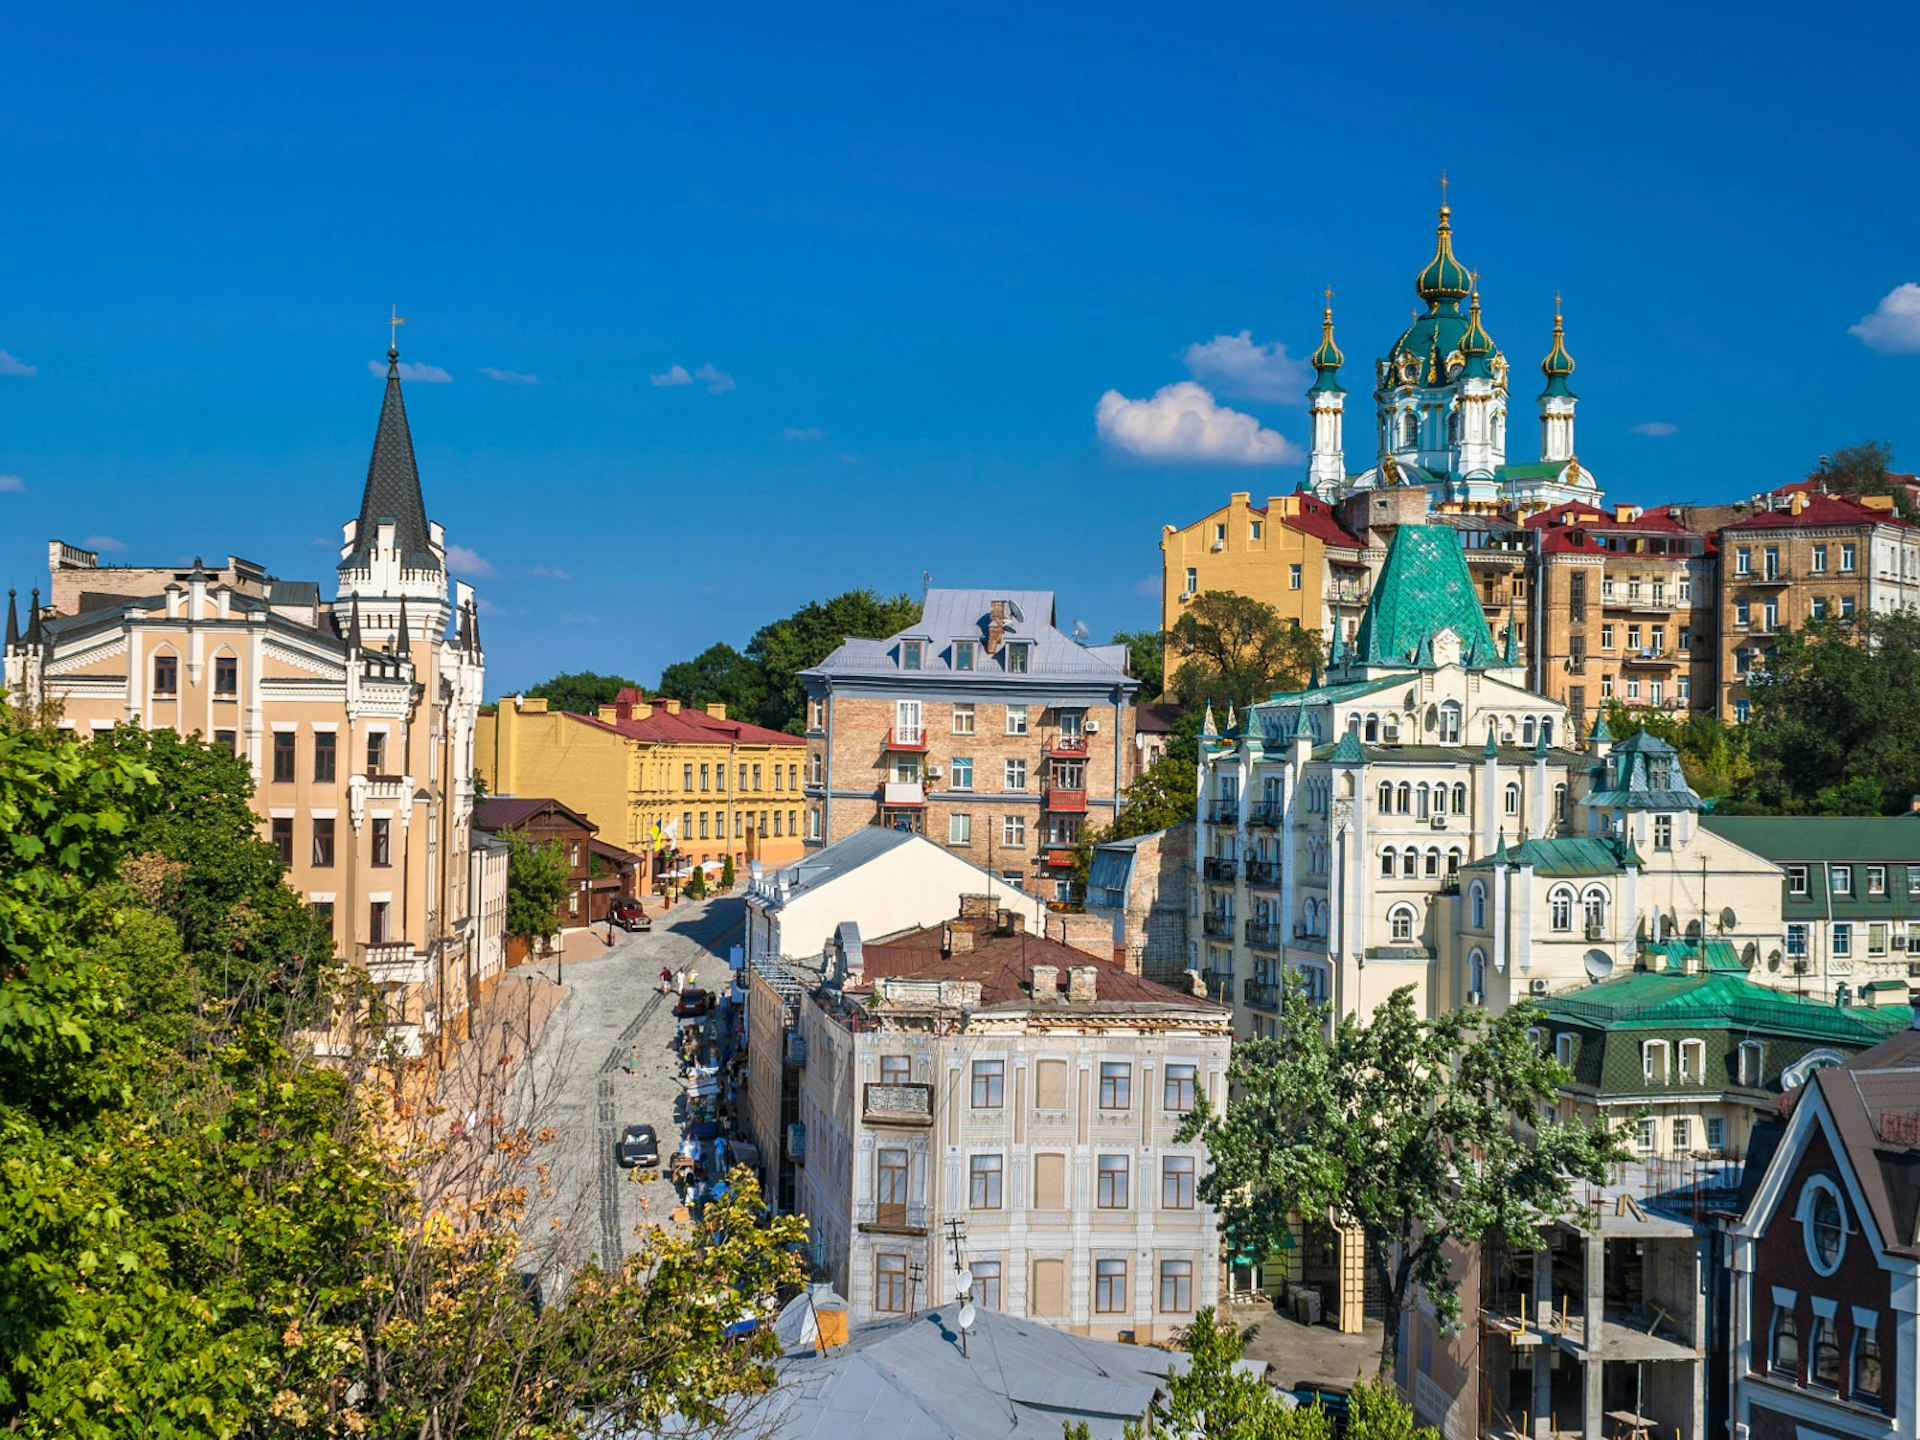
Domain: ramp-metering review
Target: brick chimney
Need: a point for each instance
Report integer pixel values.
(1046, 984)
(959, 940)
(608, 713)
(716, 711)
(673, 706)
(996, 625)
(1012, 922)
(976, 907)
(1082, 981)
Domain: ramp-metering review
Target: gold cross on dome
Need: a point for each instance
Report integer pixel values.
(394, 322)
(1443, 187)
(1329, 293)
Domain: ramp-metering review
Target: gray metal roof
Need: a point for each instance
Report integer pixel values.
(950, 615)
(823, 867)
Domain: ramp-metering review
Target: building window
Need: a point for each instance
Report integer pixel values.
(963, 654)
(1109, 1287)
(283, 743)
(1824, 1224)
(1848, 555)
(1193, 580)
(1293, 577)
(1018, 658)
(816, 714)
(983, 1182)
(1178, 1090)
(816, 768)
(813, 824)
(1743, 561)
(959, 829)
(756, 777)
(1511, 801)
(166, 675)
(1111, 1190)
(703, 825)
(1655, 1061)
(1563, 1048)
(890, 1283)
(1560, 909)
(323, 842)
(1819, 559)
(282, 827)
(1752, 1059)
(1116, 1085)
(960, 773)
(227, 740)
(1450, 723)
(1796, 879)
(1783, 1341)
(1716, 1133)
(1682, 1136)
(377, 922)
(1016, 719)
(1013, 831)
(963, 719)
(1400, 924)
(895, 1070)
(1477, 900)
(909, 654)
(383, 842)
(986, 1282)
(1842, 944)
(989, 1084)
(226, 675)
(1176, 1182)
(1176, 1286)
(377, 753)
(1826, 1353)
(1593, 906)
(1016, 775)
(1876, 879)
(1868, 1372)
(1643, 1137)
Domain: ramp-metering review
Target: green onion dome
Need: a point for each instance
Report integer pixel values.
(1327, 359)
(1476, 346)
(1445, 278)
(1559, 364)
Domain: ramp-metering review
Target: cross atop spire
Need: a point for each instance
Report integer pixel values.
(394, 322)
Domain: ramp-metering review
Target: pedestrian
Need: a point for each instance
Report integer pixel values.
(666, 979)
(680, 981)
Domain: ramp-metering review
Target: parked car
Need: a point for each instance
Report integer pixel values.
(1334, 1402)
(638, 1146)
(692, 1003)
(627, 914)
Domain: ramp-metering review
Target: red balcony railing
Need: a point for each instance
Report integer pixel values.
(1066, 802)
(1067, 745)
(907, 737)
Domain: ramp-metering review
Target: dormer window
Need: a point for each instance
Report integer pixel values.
(910, 653)
(1019, 658)
(963, 654)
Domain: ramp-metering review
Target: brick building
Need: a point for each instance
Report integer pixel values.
(981, 727)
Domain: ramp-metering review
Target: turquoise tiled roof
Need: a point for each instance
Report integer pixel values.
(1571, 856)
(1722, 999)
(1423, 587)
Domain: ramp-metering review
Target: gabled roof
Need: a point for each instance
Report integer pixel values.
(949, 615)
(1316, 518)
(393, 487)
(1567, 857)
(1723, 999)
(1423, 587)
(1873, 1100)
(511, 812)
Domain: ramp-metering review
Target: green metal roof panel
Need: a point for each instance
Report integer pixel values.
(1423, 587)
(1722, 1000)
(1571, 856)
(1821, 837)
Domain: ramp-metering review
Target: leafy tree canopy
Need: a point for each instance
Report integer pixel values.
(582, 692)
(1228, 648)
(1418, 1132)
(1713, 754)
(786, 647)
(1146, 652)
(537, 880)
(1862, 469)
(721, 675)
(1163, 796)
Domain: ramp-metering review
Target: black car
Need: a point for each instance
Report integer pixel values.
(638, 1146)
(692, 1003)
(628, 915)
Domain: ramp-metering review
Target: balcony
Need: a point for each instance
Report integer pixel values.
(1059, 857)
(1219, 984)
(886, 1217)
(1216, 925)
(1219, 869)
(1765, 579)
(1064, 800)
(1263, 934)
(395, 964)
(1266, 814)
(1224, 812)
(907, 737)
(1262, 995)
(1067, 747)
(903, 792)
(1648, 660)
(1263, 873)
(905, 1104)
(1349, 594)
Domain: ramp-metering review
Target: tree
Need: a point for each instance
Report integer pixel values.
(1146, 653)
(1833, 728)
(581, 692)
(721, 675)
(1375, 1411)
(537, 880)
(1165, 795)
(1232, 649)
(1862, 469)
(1420, 1133)
(1713, 754)
(697, 883)
(786, 647)
(727, 875)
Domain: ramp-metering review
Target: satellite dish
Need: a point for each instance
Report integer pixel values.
(968, 1315)
(1081, 632)
(1013, 609)
(963, 1282)
(1599, 964)
(1727, 918)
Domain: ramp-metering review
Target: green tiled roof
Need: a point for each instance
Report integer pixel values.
(1423, 587)
(1572, 856)
(1724, 1000)
(1640, 774)
(1821, 837)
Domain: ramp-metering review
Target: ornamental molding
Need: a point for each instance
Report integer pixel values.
(67, 663)
(328, 668)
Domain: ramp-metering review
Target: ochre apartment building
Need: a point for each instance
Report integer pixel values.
(654, 775)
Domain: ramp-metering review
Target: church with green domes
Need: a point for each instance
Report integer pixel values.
(1441, 406)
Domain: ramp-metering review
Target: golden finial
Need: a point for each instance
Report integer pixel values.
(1443, 191)
(394, 322)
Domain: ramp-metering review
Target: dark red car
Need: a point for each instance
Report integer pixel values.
(627, 914)
(692, 1003)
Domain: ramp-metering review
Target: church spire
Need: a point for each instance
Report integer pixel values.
(1557, 399)
(392, 491)
(1445, 281)
(1327, 360)
(1327, 462)
(13, 621)
(1559, 364)
(33, 635)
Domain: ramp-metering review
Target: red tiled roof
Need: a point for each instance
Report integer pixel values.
(660, 728)
(1567, 525)
(1818, 509)
(1316, 518)
(510, 812)
(1003, 964)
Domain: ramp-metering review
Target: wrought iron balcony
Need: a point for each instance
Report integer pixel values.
(1266, 814)
(1224, 812)
(1219, 984)
(1218, 868)
(1216, 926)
(901, 1104)
(1264, 873)
(1262, 994)
(1263, 934)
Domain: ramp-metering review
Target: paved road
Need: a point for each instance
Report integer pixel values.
(604, 1059)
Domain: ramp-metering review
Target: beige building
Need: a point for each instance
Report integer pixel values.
(1292, 553)
(355, 714)
(982, 727)
(973, 1073)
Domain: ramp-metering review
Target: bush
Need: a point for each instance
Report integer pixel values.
(727, 876)
(697, 883)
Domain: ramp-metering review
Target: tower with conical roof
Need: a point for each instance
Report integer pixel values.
(390, 552)
(1326, 399)
(1557, 399)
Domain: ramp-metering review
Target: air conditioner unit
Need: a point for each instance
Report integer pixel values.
(1092, 727)
(1439, 822)
(1219, 545)
(1536, 987)
(1899, 942)
(1186, 595)
(934, 772)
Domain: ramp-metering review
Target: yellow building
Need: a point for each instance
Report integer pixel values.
(1293, 553)
(654, 775)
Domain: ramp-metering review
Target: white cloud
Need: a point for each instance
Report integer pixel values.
(548, 572)
(1183, 422)
(459, 557)
(1894, 326)
(10, 365)
(11, 483)
(418, 374)
(805, 432)
(1655, 428)
(718, 382)
(509, 377)
(1235, 365)
(104, 542)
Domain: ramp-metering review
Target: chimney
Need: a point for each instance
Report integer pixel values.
(1012, 922)
(716, 711)
(996, 625)
(1046, 984)
(1081, 983)
(608, 713)
(639, 710)
(959, 940)
(976, 907)
(673, 706)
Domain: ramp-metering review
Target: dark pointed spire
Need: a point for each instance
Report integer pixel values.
(13, 621)
(403, 638)
(353, 624)
(393, 486)
(33, 635)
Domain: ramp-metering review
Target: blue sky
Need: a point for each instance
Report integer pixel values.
(915, 250)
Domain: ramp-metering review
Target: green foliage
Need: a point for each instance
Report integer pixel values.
(1146, 658)
(697, 883)
(1834, 730)
(1233, 649)
(580, 692)
(537, 881)
(719, 674)
(1375, 1411)
(1418, 1132)
(727, 876)
(1862, 469)
(1713, 754)
(813, 632)
(1165, 795)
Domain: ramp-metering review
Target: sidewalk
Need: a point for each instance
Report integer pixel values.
(496, 1046)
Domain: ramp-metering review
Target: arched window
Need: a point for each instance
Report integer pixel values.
(1387, 864)
(1560, 908)
(1526, 731)
(1386, 797)
(1422, 801)
(1453, 427)
(1440, 799)
(1477, 971)
(1409, 429)
(1593, 906)
(1460, 798)
(1477, 902)
(1453, 862)
(1560, 802)
(1511, 801)
(1409, 862)
(1400, 924)
(1546, 730)
(1433, 863)
(1353, 726)
(1373, 729)
(1403, 797)
(1450, 722)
